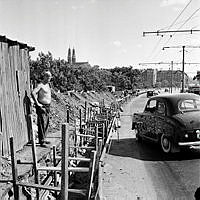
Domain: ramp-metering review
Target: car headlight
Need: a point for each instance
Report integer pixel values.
(186, 135)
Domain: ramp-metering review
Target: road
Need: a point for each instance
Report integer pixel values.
(141, 171)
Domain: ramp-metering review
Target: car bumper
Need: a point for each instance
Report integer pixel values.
(190, 144)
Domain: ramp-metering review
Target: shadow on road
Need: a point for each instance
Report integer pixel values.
(147, 151)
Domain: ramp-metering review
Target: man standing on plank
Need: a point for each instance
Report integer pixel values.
(42, 97)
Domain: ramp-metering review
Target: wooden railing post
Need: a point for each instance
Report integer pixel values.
(54, 164)
(64, 164)
(34, 155)
(14, 170)
(91, 172)
(103, 134)
(75, 141)
(67, 116)
(96, 137)
(80, 128)
(85, 111)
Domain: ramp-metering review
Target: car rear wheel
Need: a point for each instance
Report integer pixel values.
(166, 144)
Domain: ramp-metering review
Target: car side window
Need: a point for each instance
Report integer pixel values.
(161, 108)
(188, 104)
(151, 106)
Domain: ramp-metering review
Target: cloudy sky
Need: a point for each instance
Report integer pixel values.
(107, 33)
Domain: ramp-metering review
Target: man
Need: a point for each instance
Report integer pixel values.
(42, 97)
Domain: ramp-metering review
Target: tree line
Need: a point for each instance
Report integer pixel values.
(83, 77)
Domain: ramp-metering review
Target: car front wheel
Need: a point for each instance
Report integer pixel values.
(166, 144)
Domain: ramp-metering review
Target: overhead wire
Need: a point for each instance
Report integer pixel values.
(157, 44)
(180, 14)
(167, 27)
(189, 18)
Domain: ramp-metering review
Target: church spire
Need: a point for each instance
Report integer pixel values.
(69, 58)
(73, 56)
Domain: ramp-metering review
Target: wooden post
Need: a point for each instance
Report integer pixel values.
(88, 116)
(106, 129)
(14, 170)
(91, 172)
(67, 116)
(54, 164)
(34, 155)
(85, 111)
(96, 137)
(75, 140)
(80, 117)
(80, 129)
(97, 167)
(103, 134)
(100, 148)
(117, 128)
(64, 164)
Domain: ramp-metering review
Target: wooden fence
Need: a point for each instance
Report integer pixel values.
(81, 152)
(14, 93)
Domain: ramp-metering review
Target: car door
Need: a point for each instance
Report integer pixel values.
(160, 118)
(149, 120)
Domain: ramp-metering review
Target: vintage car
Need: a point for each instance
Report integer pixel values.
(172, 120)
(150, 93)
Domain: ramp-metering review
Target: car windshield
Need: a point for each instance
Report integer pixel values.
(189, 105)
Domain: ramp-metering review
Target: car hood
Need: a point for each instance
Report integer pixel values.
(191, 120)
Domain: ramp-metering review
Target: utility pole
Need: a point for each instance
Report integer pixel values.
(171, 75)
(183, 63)
(183, 71)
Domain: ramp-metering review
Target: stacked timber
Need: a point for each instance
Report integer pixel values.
(14, 93)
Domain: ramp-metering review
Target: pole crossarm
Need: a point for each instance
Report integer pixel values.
(185, 46)
(159, 33)
(167, 63)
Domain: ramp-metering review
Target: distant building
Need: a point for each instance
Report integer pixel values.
(71, 58)
(174, 76)
(151, 77)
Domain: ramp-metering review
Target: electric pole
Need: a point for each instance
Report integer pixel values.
(183, 71)
(183, 63)
(171, 75)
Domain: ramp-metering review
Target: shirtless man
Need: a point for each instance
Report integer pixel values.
(42, 97)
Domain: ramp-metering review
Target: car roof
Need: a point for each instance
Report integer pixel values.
(173, 99)
(177, 96)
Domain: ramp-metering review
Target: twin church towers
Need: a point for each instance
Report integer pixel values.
(71, 58)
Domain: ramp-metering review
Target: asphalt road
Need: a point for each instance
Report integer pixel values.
(141, 171)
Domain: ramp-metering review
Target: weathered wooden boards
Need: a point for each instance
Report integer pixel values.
(14, 93)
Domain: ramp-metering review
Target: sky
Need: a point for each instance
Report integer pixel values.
(107, 33)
